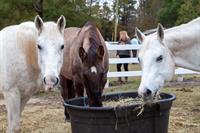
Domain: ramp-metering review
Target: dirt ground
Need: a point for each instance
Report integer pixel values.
(44, 112)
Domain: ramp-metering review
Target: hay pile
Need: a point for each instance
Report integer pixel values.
(123, 102)
(131, 101)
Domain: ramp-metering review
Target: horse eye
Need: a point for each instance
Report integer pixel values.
(39, 47)
(159, 59)
(62, 47)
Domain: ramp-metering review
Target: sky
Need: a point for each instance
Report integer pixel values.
(110, 2)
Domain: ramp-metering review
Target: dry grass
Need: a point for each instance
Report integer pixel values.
(185, 113)
(46, 114)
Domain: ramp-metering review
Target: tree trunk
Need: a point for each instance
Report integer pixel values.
(38, 6)
(116, 20)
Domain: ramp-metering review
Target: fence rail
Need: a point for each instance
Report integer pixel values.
(112, 46)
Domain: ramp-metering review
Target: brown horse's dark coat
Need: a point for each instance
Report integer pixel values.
(84, 48)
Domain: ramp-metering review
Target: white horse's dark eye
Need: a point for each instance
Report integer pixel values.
(159, 59)
(62, 47)
(39, 47)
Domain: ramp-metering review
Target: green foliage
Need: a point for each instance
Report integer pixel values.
(175, 12)
(126, 15)
(188, 11)
(104, 22)
(76, 13)
(169, 13)
(147, 12)
(15, 11)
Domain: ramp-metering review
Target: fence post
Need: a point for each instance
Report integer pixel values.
(180, 78)
(107, 84)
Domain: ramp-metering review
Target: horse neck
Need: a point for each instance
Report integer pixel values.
(27, 43)
(184, 43)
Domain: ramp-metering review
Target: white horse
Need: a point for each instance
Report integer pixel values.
(30, 54)
(162, 51)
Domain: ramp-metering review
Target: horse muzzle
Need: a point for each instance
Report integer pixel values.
(95, 100)
(50, 82)
(149, 96)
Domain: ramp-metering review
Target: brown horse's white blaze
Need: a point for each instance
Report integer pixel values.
(32, 54)
(162, 51)
(93, 69)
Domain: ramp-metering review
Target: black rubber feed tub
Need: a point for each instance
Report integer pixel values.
(154, 119)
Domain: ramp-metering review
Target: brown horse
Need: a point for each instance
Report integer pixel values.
(85, 64)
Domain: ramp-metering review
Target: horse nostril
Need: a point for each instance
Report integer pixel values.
(139, 95)
(44, 79)
(51, 80)
(148, 92)
(96, 99)
(55, 80)
(97, 95)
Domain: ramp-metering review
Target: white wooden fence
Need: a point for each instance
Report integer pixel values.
(112, 46)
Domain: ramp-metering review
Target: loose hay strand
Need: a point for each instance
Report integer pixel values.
(141, 109)
(116, 118)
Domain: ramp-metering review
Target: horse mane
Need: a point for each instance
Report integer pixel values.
(89, 24)
(180, 28)
(26, 41)
(179, 37)
(181, 33)
(91, 34)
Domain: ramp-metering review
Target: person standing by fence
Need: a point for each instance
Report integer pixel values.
(123, 40)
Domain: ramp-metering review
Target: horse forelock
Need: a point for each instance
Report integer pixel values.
(93, 41)
(92, 56)
(89, 24)
(51, 31)
(91, 31)
(93, 36)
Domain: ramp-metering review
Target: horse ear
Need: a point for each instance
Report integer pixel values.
(140, 36)
(160, 32)
(38, 23)
(82, 53)
(61, 23)
(100, 52)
